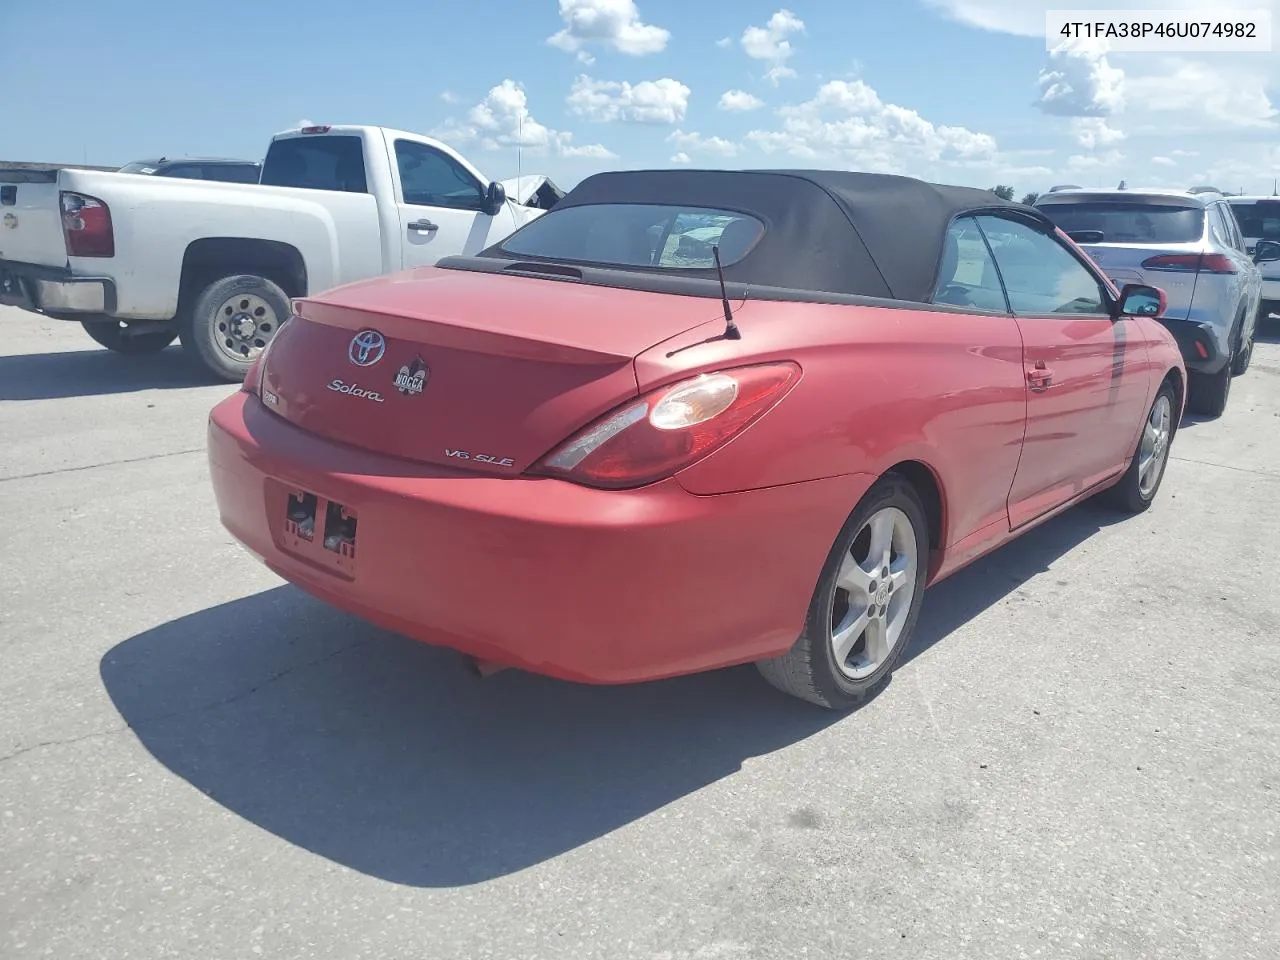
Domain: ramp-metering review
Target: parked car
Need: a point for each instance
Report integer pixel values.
(1259, 220)
(198, 168)
(586, 453)
(1188, 243)
(142, 260)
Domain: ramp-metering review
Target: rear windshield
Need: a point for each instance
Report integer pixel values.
(317, 163)
(638, 235)
(1259, 220)
(138, 166)
(1120, 222)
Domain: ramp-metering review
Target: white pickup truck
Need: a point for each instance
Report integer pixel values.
(140, 261)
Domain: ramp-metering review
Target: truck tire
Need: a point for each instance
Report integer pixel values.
(231, 323)
(112, 335)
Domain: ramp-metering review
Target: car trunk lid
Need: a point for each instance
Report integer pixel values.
(469, 369)
(31, 217)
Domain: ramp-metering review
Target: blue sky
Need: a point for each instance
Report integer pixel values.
(962, 91)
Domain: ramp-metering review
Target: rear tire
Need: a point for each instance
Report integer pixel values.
(231, 323)
(858, 610)
(1207, 393)
(115, 337)
(1243, 350)
(1138, 487)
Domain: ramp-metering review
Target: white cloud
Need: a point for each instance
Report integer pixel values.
(449, 97)
(739, 101)
(1200, 96)
(1095, 161)
(1094, 132)
(700, 144)
(770, 44)
(588, 151)
(1164, 161)
(681, 157)
(1078, 81)
(614, 24)
(724, 42)
(848, 121)
(502, 120)
(650, 101)
(1184, 153)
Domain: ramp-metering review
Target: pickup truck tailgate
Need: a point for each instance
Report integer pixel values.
(31, 217)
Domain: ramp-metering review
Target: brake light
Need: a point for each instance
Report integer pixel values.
(1217, 263)
(1190, 263)
(317, 128)
(86, 226)
(669, 428)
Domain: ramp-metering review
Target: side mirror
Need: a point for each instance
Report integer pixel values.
(1140, 300)
(494, 198)
(1266, 251)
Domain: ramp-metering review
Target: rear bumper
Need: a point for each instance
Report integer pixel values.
(558, 579)
(1200, 344)
(54, 290)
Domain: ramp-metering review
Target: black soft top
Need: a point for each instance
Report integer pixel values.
(862, 234)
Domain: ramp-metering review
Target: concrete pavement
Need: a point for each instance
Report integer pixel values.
(1080, 760)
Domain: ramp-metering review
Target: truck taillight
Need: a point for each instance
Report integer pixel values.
(86, 226)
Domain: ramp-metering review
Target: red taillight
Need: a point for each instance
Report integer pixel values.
(1217, 263)
(257, 372)
(668, 429)
(86, 226)
(1190, 262)
(1200, 349)
(253, 377)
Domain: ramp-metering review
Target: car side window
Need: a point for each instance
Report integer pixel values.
(1233, 227)
(967, 276)
(1041, 276)
(184, 171)
(1218, 226)
(428, 178)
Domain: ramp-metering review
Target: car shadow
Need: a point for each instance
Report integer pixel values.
(388, 757)
(89, 373)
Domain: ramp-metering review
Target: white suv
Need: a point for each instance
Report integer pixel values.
(1259, 219)
(1188, 244)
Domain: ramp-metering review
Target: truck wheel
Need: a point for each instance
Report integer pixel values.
(116, 338)
(231, 323)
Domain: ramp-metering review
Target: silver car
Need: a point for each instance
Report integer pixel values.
(1259, 219)
(1188, 244)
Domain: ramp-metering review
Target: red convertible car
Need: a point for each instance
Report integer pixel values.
(689, 419)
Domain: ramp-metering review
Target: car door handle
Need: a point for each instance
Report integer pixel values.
(1039, 377)
(423, 225)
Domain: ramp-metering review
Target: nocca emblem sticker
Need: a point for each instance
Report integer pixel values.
(412, 377)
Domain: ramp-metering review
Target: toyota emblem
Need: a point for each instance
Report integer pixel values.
(367, 348)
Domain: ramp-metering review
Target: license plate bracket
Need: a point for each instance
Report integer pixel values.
(317, 529)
